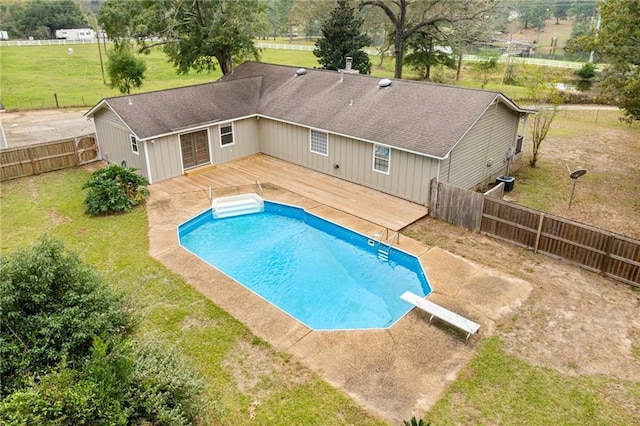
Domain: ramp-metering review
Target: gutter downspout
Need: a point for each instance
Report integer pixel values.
(146, 161)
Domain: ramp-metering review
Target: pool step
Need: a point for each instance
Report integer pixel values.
(237, 205)
(382, 253)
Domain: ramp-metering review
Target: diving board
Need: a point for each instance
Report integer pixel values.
(236, 205)
(444, 314)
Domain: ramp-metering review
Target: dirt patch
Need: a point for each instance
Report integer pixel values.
(254, 365)
(57, 218)
(574, 321)
(608, 195)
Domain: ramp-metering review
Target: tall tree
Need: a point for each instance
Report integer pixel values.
(342, 37)
(534, 12)
(125, 71)
(310, 15)
(561, 9)
(43, 18)
(408, 17)
(279, 16)
(618, 40)
(195, 34)
(583, 10)
(424, 53)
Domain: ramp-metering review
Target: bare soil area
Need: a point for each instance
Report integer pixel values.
(608, 195)
(574, 321)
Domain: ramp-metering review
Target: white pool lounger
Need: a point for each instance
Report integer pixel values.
(444, 314)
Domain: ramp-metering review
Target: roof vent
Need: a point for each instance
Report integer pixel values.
(300, 72)
(385, 82)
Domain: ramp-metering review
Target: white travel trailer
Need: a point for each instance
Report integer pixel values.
(76, 34)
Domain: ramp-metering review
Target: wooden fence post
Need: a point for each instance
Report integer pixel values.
(32, 159)
(433, 198)
(477, 220)
(604, 267)
(535, 247)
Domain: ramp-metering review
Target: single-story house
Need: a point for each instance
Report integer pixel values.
(391, 135)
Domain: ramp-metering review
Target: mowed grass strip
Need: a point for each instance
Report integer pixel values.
(247, 381)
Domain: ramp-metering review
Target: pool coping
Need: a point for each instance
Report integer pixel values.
(395, 373)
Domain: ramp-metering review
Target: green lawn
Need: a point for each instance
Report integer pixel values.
(222, 350)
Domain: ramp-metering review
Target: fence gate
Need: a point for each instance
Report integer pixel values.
(87, 149)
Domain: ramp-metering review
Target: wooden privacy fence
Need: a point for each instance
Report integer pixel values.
(456, 205)
(612, 255)
(47, 156)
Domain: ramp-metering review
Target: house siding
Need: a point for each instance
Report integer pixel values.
(486, 143)
(409, 174)
(114, 141)
(164, 158)
(246, 141)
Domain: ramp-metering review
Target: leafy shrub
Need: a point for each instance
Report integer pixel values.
(163, 388)
(114, 189)
(65, 357)
(587, 71)
(139, 383)
(52, 306)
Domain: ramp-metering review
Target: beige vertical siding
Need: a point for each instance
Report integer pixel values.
(164, 153)
(164, 158)
(245, 137)
(487, 142)
(114, 141)
(409, 175)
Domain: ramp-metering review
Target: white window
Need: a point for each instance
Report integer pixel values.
(381, 158)
(319, 142)
(134, 145)
(226, 134)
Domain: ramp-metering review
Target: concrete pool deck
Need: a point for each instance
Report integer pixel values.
(395, 373)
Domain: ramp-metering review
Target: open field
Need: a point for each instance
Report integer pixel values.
(31, 77)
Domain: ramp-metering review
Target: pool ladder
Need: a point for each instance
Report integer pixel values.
(384, 249)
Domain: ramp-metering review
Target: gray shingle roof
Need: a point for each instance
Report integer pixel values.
(419, 117)
(162, 112)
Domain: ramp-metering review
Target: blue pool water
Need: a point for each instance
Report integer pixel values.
(326, 276)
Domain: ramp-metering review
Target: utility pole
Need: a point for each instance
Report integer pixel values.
(97, 30)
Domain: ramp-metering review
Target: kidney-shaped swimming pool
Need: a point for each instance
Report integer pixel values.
(324, 275)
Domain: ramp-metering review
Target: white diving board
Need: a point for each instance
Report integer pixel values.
(444, 314)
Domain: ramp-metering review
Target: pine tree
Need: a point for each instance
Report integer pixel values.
(341, 37)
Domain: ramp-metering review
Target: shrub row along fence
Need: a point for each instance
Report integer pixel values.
(47, 156)
(612, 255)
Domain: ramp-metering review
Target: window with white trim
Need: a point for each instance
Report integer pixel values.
(134, 145)
(226, 134)
(319, 142)
(381, 158)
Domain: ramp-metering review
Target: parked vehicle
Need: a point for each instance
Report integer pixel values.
(76, 34)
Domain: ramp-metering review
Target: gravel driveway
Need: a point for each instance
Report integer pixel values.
(34, 126)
